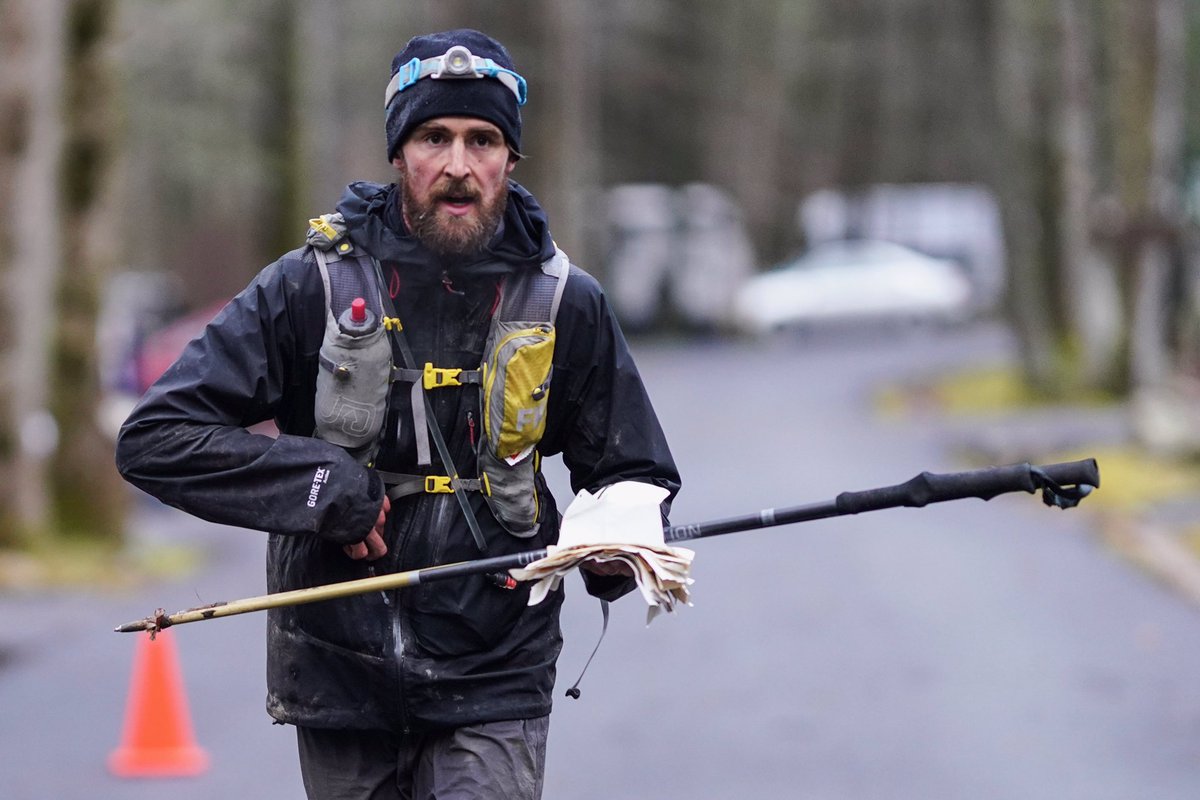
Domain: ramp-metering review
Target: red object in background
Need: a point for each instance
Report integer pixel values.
(161, 347)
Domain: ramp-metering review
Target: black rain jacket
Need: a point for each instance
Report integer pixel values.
(439, 655)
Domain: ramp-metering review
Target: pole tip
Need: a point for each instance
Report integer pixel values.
(136, 625)
(152, 624)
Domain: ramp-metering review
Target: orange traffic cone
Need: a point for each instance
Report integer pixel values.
(157, 740)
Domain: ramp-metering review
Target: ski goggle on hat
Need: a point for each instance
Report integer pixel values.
(457, 62)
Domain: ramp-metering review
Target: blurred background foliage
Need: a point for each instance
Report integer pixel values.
(196, 137)
(277, 103)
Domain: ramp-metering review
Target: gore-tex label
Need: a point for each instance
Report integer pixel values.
(322, 475)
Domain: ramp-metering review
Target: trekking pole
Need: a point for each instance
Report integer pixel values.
(1062, 485)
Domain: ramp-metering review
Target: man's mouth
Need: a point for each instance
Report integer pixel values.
(458, 204)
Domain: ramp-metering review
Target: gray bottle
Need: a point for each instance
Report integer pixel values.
(352, 384)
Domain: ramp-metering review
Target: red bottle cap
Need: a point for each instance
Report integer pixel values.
(358, 310)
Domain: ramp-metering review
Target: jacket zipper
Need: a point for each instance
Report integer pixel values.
(398, 640)
(397, 613)
(398, 627)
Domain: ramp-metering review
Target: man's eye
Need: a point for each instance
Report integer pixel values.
(434, 138)
(483, 140)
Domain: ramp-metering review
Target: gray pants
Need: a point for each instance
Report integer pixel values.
(501, 760)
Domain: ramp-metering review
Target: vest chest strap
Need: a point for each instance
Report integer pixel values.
(431, 377)
(401, 485)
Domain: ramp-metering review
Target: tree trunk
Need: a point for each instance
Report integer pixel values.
(1089, 288)
(1022, 173)
(1157, 253)
(1166, 414)
(321, 111)
(570, 101)
(87, 492)
(751, 58)
(281, 217)
(33, 78)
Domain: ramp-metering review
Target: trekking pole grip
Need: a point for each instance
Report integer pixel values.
(929, 487)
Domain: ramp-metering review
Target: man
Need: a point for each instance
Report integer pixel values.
(444, 689)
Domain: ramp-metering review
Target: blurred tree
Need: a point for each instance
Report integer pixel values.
(32, 75)
(87, 494)
(1023, 176)
(1152, 229)
(280, 127)
(1148, 175)
(751, 54)
(250, 115)
(572, 149)
(1091, 169)
(1093, 312)
(214, 120)
(320, 111)
(58, 147)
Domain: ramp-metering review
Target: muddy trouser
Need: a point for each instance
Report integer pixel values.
(502, 760)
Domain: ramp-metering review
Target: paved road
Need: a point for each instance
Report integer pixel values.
(964, 650)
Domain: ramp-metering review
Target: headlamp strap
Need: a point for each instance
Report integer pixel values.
(457, 62)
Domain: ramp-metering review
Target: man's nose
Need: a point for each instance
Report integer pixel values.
(456, 159)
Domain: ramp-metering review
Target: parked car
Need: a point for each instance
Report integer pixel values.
(854, 280)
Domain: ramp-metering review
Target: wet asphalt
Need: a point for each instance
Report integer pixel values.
(969, 649)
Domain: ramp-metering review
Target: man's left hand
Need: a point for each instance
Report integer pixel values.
(614, 567)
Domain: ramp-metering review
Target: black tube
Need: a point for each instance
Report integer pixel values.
(928, 487)
(985, 484)
(478, 567)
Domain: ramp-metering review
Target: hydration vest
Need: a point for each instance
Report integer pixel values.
(357, 368)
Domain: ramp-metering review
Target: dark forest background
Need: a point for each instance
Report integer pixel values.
(196, 137)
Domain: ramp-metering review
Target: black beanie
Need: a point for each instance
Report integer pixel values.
(485, 98)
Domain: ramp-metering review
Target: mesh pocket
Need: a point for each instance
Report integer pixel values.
(516, 392)
(517, 389)
(511, 493)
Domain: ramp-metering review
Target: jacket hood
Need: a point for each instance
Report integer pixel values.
(372, 214)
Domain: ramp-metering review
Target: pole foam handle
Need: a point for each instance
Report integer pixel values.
(929, 487)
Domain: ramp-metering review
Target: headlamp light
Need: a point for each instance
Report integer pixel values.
(456, 63)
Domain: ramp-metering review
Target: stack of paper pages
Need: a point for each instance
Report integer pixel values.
(621, 522)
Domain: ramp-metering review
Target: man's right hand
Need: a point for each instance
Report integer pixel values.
(373, 546)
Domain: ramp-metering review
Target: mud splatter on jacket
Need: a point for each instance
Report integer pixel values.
(440, 655)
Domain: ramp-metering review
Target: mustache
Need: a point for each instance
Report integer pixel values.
(458, 188)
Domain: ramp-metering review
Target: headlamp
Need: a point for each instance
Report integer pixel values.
(457, 62)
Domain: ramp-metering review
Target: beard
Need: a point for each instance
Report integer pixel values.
(447, 236)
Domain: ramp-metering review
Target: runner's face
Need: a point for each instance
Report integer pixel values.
(454, 173)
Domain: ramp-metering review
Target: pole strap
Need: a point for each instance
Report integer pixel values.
(574, 691)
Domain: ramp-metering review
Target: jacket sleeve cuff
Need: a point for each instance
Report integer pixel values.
(607, 587)
(351, 524)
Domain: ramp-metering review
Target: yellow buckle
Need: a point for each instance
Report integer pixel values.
(322, 226)
(438, 484)
(437, 377)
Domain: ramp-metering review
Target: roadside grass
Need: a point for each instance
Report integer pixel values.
(1144, 507)
(1133, 479)
(985, 391)
(73, 562)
